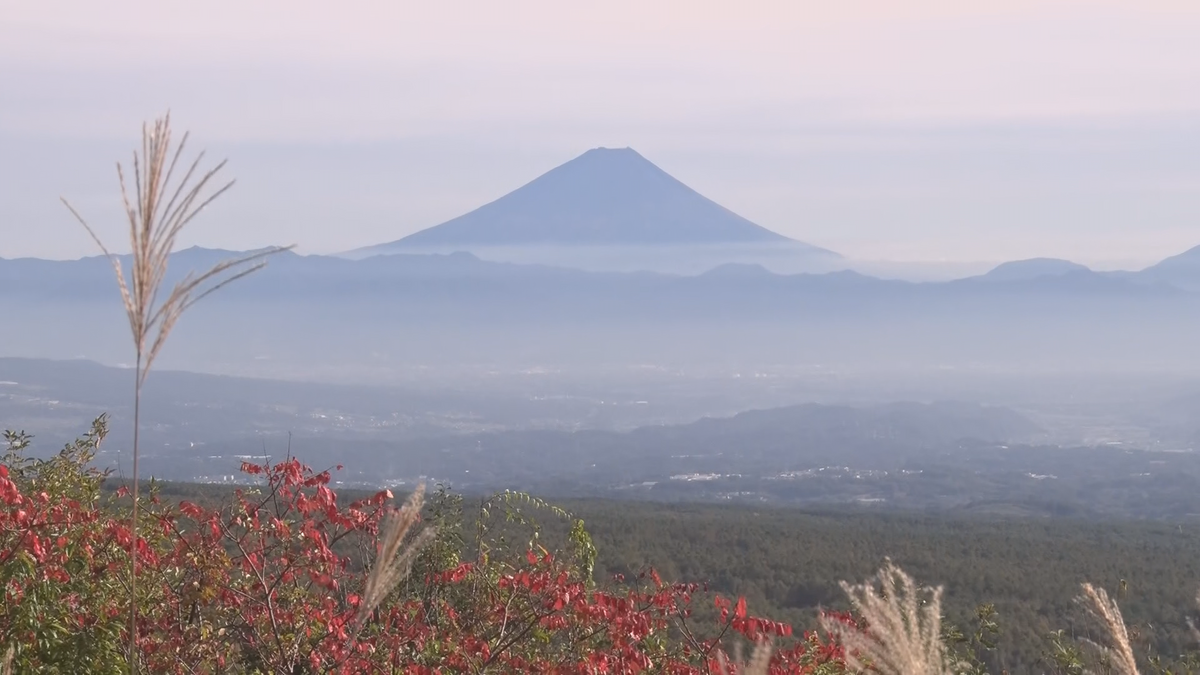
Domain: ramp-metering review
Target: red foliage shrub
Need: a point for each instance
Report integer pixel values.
(272, 582)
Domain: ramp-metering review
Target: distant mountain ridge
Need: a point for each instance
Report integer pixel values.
(1182, 271)
(458, 308)
(604, 197)
(1022, 270)
(292, 275)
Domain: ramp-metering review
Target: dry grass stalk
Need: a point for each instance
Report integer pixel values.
(6, 663)
(158, 208)
(395, 558)
(905, 625)
(1104, 612)
(760, 661)
(1192, 625)
(157, 212)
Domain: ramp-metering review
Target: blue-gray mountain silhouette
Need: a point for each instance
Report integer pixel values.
(605, 197)
(1024, 270)
(1181, 270)
(460, 308)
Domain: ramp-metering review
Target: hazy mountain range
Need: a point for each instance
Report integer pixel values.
(362, 316)
(458, 309)
(289, 273)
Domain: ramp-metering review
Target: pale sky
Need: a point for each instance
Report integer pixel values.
(916, 130)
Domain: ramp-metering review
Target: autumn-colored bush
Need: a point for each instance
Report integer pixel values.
(61, 552)
(273, 582)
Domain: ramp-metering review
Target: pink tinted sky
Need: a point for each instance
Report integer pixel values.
(916, 131)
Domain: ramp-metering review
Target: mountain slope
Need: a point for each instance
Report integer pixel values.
(606, 197)
(1182, 271)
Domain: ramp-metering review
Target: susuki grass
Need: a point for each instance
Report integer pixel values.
(759, 663)
(159, 203)
(1116, 651)
(904, 626)
(395, 559)
(903, 629)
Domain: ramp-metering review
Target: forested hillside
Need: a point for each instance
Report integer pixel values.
(788, 563)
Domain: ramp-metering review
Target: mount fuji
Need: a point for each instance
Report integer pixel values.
(606, 200)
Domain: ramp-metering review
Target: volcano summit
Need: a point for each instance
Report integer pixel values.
(603, 198)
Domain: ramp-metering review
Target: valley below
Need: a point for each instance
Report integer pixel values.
(1054, 446)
